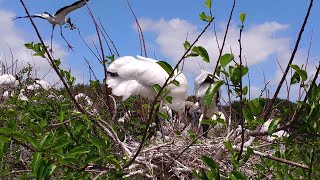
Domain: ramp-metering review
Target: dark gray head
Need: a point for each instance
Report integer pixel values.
(68, 20)
(194, 115)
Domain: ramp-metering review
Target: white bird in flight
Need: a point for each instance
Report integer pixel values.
(59, 18)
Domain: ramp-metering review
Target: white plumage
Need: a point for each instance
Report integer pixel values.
(131, 76)
(202, 83)
(21, 96)
(82, 96)
(59, 18)
(275, 135)
(39, 84)
(8, 81)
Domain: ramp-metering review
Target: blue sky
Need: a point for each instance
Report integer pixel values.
(271, 28)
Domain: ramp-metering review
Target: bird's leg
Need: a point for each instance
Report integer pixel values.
(69, 46)
(51, 48)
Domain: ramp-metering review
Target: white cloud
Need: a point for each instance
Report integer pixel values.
(258, 41)
(12, 38)
(261, 43)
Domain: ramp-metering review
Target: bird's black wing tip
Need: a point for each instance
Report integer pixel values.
(113, 74)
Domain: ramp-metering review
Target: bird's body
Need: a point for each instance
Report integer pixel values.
(59, 18)
(131, 76)
(39, 84)
(8, 81)
(202, 83)
(275, 135)
(86, 98)
(21, 96)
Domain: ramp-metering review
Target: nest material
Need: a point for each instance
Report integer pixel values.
(166, 160)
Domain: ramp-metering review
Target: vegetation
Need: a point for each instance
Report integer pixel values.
(61, 138)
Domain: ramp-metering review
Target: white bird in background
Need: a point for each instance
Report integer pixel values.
(129, 76)
(8, 81)
(275, 135)
(21, 96)
(81, 96)
(59, 18)
(39, 84)
(202, 83)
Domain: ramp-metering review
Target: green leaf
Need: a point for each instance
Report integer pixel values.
(201, 52)
(186, 45)
(78, 150)
(175, 82)
(303, 74)
(211, 91)
(113, 161)
(156, 88)
(295, 67)
(61, 142)
(203, 16)
(255, 106)
(295, 78)
(57, 62)
(169, 99)
(165, 66)
(273, 125)
(245, 90)
(163, 115)
(29, 45)
(228, 145)
(248, 115)
(245, 70)
(6, 131)
(237, 175)
(226, 59)
(208, 4)
(242, 17)
(36, 161)
(33, 141)
(44, 138)
(210, 162)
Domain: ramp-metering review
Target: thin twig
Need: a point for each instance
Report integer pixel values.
(225, 36)
(270, 104)
(139, 29)
(274, 158)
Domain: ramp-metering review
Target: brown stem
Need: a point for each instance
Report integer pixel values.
(241, 93)
(139, 29)
(225, 36)
(270, 104)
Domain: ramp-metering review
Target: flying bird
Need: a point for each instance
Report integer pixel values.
(130, 76)
(202, 83)
(59, 18)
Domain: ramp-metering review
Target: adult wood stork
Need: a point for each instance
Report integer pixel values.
(129, 76)
(59, 18)
(39, 84)
(8, 81)
(202, 83)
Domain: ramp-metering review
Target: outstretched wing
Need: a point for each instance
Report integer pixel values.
(44, 15)
(68, 9)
